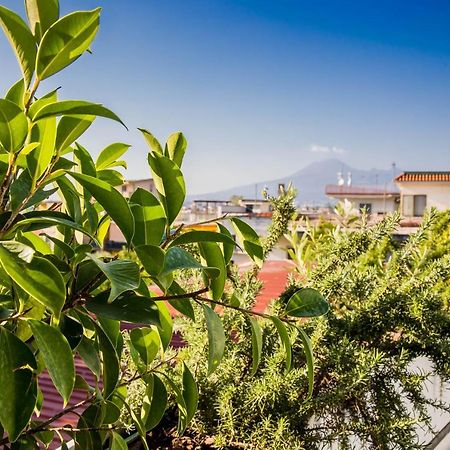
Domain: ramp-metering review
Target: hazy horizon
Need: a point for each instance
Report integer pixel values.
(263, 88)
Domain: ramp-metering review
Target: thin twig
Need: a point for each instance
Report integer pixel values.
(243, 310)
(180, 296)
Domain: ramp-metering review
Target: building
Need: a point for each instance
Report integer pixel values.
(421, 190)
(130, 186)
(373, 199)
(239, 206)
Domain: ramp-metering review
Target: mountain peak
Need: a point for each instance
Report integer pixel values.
(310, 182)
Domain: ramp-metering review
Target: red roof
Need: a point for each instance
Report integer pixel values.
(424, 176)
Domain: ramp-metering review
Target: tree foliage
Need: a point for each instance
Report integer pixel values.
(61, 298)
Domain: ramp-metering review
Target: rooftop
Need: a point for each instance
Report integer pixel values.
(423, 176)
(367, 191)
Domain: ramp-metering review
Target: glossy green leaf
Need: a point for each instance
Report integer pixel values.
(123, 275)
(212, 254)
(113, 202)
(129, 307)
(109, 155)
(84, 161)
(21, 40)
(190, 393)
(65, 41)
(285, 340)
(13, 126)
(216, 338)
(307, 302)
(75, 108)
(149, 216)
(117, 442)
(72, 330)
(152, 142)
(152, 258)
(177, 258)
(41, 14)
(16, 93)
(39, 159)
(39, 223)
(194, 236)
(307, 347)
(182, 305)
(18, 393)
(165, 330)
(110, 366)
(112, 177)
(250, 240)
(89, 354)
(33, 240)
(256, 344)
(38, 277)
(176, 148)
(69, 129)
(181, 404)
(154, 402)
(169, 183)
(146, 342)
(64, 248)
(57, 355)
(227, 249)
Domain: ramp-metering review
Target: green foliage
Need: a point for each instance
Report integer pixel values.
(387, 332)
(61, 297)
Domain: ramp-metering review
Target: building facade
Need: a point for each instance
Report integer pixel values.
(422, 190)
(374, 200)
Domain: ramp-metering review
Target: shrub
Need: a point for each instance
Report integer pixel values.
(388, 314)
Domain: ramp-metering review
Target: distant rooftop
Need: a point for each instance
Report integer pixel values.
(369, 191)
(423, 176)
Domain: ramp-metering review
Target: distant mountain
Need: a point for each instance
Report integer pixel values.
(309, 181)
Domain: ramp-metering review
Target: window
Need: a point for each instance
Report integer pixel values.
(420, 203)
(367, 207)
(414, 205)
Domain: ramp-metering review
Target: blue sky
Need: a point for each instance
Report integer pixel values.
(262, 88)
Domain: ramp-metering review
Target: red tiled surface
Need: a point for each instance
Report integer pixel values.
(273, 275)
(423, 176)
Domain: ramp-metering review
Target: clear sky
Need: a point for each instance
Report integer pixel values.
(261, 88)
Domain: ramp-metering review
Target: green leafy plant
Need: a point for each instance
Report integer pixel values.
(387, 334)
(61, 298)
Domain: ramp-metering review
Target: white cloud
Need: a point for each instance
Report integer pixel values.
(315, 148)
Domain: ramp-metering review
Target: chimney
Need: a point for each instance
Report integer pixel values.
(349, 179)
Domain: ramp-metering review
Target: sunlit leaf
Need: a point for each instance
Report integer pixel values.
(18, 393)
(307, 302)
(256, 344)
(21, 40)
(216, 338)
(123, 275)
(57, 356)
(65, 41)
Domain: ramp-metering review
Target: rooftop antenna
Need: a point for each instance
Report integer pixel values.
(394, 169)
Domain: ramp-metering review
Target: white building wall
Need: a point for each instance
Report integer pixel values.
(379, 205)
(438, 194)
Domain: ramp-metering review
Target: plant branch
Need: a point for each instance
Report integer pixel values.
(180, 296)
(242, 310)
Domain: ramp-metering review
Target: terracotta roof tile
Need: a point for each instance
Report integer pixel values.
(424, 176)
